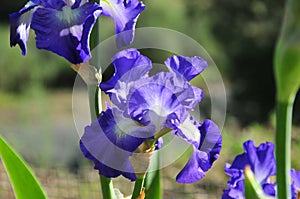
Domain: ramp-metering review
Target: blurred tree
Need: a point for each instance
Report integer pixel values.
(7, 7)
(247, 31)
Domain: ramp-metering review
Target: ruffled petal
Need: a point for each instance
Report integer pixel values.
(195, 168)
(188, 130)
(20, 24)
(188, 67)
(66, 32)
(211, 140)
(207, 142)
(129, 66)
(125, 14)
(155, 102)
(111, 140)
(235, 193)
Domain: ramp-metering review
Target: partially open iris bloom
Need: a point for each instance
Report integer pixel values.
(64, 26)
(262, 162)
(146, 107)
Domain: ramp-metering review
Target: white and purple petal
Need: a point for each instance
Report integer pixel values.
(125, 14)
(111, 140)
(187, 94)
(20, 24)
(188, 67)
(129, 66)
(207, 141)
(66, 32)
(155, 102)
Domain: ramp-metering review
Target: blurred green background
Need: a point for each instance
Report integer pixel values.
(36, 89)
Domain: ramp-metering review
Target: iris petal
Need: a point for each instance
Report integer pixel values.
(111, 140)
(129, 66)
(125, 14)
(66, 32)
(20, 25)
(189, 67)
(206, 150)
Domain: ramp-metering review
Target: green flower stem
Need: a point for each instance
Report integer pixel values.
(283, 148)
(95, 103)
(138, 187)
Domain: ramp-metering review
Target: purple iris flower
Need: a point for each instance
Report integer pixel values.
(64, 26)
(158, 103)
(61, 26)
(261, 159)
(125, 14)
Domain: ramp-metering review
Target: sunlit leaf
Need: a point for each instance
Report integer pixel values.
(24, 182)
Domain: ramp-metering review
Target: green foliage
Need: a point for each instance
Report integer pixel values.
(23, 180)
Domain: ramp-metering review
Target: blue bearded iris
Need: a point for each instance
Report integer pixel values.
(262, 162)
(145, 107)
(64, 26)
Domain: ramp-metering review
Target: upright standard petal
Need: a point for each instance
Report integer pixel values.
(129, 66)
(111, 140)
(20, 25)
(66, 32)
(125, 14)
(206, 150)
(188, 67)
(157, 102)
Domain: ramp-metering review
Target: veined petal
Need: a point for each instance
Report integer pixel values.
(129, 66)
(111, 140)
(66, 32)
(125, 14)
(155, 102)
(187, 94)
(195, 168)
(188, 130)
(211, 140)
(188, 67)
(20, 25)
(207, 141)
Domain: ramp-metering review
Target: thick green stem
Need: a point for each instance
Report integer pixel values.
(95, 102)
(138, 187)
(283, 148)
